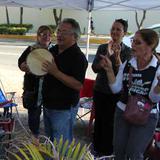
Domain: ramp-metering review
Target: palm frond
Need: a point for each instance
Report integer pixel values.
(57, 150)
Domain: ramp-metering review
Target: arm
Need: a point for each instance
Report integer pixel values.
(67, 80)
(117, 86)
(96, 66)
(22, 60)
(75, 81)
(116, 48)
(154, 94)
(115, 83)
(106, 64)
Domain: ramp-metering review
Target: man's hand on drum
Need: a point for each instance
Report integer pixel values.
(24, 67)
(50, 67)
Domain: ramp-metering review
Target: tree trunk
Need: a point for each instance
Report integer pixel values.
(21, 15)
(56, 17)
(139, 24)
(7, 15)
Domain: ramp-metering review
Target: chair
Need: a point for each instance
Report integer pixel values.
(7, 120)
(86, 102)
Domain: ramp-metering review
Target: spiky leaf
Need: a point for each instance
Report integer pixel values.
(76, 151)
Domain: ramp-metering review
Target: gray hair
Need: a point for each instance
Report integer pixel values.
(75, 26)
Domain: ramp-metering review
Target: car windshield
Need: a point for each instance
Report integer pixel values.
(157, 30)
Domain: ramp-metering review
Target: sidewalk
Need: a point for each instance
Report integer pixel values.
(15, 42)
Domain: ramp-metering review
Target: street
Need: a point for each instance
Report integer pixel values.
(9, 53)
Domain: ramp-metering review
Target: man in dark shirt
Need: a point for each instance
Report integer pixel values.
(63, 82)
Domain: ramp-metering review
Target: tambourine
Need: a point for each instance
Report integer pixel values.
(35, 60)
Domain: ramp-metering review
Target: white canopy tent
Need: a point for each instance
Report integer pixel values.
(87, 5)
(118, 5)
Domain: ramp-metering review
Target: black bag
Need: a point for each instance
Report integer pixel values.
(29, 99)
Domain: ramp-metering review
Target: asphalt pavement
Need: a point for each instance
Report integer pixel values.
(16, 42)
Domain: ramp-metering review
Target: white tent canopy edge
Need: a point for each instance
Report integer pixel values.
(94, 5)
(87, 5)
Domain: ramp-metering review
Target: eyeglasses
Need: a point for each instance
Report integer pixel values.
(45, 34)
(64, 33)
(136, 42)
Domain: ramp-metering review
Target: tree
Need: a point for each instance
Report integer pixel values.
(56, 17)
(21, 15)
(7, 15)
(139, 24)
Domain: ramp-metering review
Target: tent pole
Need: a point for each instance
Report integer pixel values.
(88, 34)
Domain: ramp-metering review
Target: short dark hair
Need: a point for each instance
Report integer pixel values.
(124, 23)
(75, 26)
(150, 37)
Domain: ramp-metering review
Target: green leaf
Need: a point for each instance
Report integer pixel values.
(36, 151)
(14, 154)
(70, 149)
(60, 144)
(64, 149)
(49, 142)
(45, 150)
(29, 148)
(88, 156)
(82, 153)
(21, 151)
(55, 142)
(58, 151)
(76, 151)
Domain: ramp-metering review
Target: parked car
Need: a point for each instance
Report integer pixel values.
(155, 27)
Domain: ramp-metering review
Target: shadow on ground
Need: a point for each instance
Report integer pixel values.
(80, 129)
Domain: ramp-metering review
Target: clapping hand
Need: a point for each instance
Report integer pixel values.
(116, 47)
(105, 63)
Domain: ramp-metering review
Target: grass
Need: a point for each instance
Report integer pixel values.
(20, 37)
(93, 40)
(98, 41)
